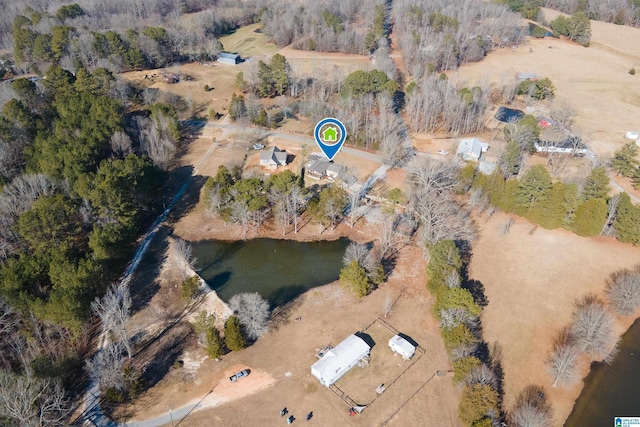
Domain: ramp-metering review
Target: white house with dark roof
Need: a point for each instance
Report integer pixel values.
(273, 157)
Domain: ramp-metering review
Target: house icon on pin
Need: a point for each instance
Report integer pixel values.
(330, 134)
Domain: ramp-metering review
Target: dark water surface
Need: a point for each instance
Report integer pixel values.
(279, 270)
(611, 390)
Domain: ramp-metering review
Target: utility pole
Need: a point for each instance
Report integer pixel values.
(170, 415)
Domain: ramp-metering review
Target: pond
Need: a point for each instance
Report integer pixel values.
(279, 270)
(611, 390)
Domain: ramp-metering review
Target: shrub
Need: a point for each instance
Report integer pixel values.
(354, 278)
(632, 71)
(206, 88)
(462, 367)
(458, 336)
(477, 401)
(190, 288)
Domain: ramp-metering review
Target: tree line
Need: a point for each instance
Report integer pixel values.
(441, 35)
(587, 211)
(620, 12)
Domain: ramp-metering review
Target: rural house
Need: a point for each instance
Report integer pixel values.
(273, 157)
(571, 145)
(339, 360)
(471, 149)
(229, 58)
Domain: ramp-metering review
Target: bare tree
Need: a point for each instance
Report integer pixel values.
(114, 311)
(592, 328)
(253, 313)
(557, 162)
(120, 144)
(506, 226)
(183, 255)
(354, 201)
(623, 290)
(531, 409)
(482, 375)
(563, 361)
(389, 239)
(612, 214)
(429, 174)
(453, 280)
(440, 216)
(106, 367)
(31, 401)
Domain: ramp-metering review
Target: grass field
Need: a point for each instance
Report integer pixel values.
(248, 41)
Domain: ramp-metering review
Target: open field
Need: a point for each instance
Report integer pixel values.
(283, 357)
(249, 42)
(531, 280)
(594, 81)
(324, 64)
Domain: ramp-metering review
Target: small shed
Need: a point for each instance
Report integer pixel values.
(401, 346)
(339, 360)
(632, 135)
(229, 58)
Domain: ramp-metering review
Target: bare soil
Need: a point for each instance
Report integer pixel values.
(531, 278)
(594, 81)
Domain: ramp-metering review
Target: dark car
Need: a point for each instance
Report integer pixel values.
(235, 377)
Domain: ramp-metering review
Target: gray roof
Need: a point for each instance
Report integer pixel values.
(472, 146)
(319, 167)
(274, 153)
(228, 55)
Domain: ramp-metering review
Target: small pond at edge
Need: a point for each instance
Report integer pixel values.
(611, 390)
(279, 270)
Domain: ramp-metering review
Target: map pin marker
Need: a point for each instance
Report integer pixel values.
(330, 134)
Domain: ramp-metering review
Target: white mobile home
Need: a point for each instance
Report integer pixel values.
(401, 346)
(339, 360)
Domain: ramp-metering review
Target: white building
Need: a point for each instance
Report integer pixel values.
(472, 149)
(339, 360)
(572, 145)
(273, 157)
(632, 135)
(401, 346)
(229, 58)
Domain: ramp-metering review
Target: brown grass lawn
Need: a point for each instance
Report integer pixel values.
(281, 361)
(594, 81)
(531, 282)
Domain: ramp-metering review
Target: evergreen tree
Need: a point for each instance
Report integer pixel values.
(624, 161)
(627, 223)
(590, 217)
(444, 258)
(354, 278)
(478, 400)
(215, 344)
(550, 213)
(232, 334)
(534, 187)
(597, 185)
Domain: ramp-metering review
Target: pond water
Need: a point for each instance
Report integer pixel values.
(611, 390)
(279, 270)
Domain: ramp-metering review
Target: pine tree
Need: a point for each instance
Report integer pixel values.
(550, 213)
(232, 334)
(590, 217)
(627, 223)
(354, 278)
(215, 344)
(597, 186)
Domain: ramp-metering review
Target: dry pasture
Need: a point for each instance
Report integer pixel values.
(593, 81)
(531, 278)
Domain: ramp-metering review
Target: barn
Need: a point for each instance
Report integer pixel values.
(229, 58)
(340, 359)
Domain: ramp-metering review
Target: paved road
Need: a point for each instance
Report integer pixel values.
(620, 188)
(173, 416)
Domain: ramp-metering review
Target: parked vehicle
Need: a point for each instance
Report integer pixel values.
(443, 152)
(235, 377)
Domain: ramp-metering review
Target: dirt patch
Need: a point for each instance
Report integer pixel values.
(594, 81)
(531, 278)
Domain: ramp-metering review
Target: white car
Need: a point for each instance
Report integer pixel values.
(443, 152)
